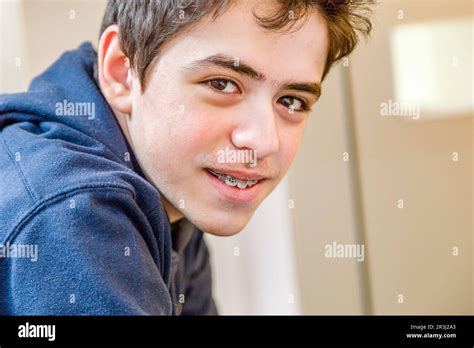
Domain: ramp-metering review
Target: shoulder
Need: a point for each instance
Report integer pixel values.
(87, 244)
(43, 173)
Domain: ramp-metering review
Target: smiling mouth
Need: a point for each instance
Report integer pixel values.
(234, 182)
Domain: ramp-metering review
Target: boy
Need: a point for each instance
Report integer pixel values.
(114, 163)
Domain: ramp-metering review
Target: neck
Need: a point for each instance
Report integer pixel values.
(173, 213)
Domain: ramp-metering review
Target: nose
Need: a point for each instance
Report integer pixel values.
(257, 130)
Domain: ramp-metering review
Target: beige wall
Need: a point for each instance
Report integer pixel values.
(38, 31)
(13, 72)
(320, 185)
(409, 250)
(64, 26)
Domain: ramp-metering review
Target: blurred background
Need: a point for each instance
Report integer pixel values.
(386, 162)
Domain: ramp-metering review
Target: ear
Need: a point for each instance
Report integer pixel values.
(115, 75)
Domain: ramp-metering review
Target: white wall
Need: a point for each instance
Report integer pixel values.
(255, 270)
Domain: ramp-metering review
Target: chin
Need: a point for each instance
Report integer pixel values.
(223, 224)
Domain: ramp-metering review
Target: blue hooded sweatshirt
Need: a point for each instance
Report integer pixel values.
(82, 231)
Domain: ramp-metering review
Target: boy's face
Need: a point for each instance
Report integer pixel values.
(192, 110)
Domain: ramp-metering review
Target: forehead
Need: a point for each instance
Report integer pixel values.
(298, 54)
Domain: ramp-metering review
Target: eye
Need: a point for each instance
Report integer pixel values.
(294, 104)
(223, 86)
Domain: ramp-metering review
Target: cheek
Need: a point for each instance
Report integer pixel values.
(196, 133)
(201, 128)
(288, 154)
(289, 144)
(181, 139)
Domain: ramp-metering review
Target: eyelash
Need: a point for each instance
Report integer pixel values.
(305, 106)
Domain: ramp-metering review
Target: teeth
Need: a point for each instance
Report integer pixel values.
(241, 185)
(231, 181)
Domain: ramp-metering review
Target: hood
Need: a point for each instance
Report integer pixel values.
(66, 93)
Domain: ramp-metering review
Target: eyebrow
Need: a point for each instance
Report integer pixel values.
(238, 66)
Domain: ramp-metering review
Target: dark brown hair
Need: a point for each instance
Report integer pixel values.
(145, 25)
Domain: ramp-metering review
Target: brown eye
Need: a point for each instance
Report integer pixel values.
(223, 86)
(294, 104)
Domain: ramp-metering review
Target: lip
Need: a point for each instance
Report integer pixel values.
(233, 193)
(238, 174)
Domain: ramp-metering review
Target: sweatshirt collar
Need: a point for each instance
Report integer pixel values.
(181, 233)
